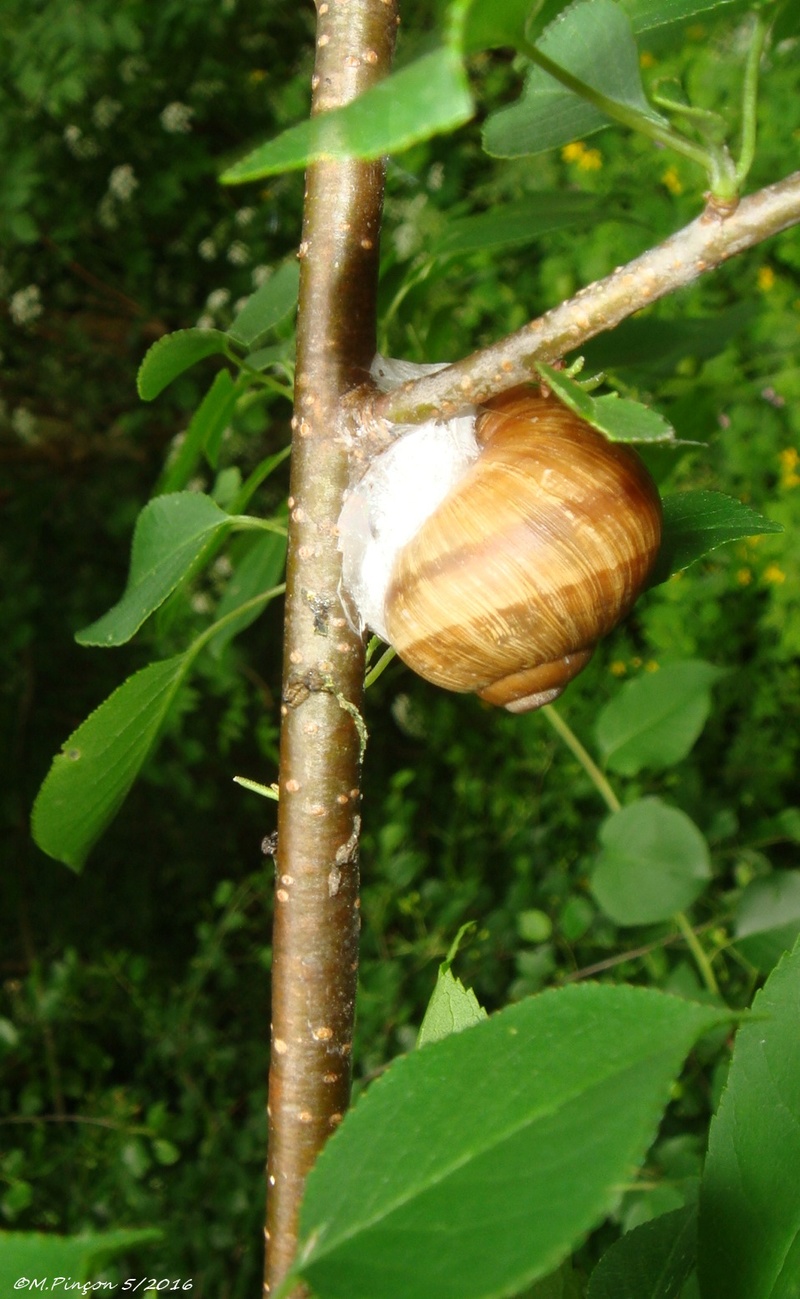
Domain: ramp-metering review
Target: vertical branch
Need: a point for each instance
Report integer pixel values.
(315, 947)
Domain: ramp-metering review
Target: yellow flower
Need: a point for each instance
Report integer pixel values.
(257, 74)
(572, 152)
(672, 181)
(587, 159)
(618, 668)
(651, 666)
(646, 59)
(789, 475)
(636, 663)
(774, 574)
(765, 279)
(744, 577)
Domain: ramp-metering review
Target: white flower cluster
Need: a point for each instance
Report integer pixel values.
(217, 299)
(244, 216)
(80, 146)
(106, 111)
(23, 422)
(238, 253)
(176, 118)
(260, 275)
(207, 250)
(25, 306)
(122, 182)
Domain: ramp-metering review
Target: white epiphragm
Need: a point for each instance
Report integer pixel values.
(399, 491)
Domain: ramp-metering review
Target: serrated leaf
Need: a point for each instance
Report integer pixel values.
(645, 15)
(749, 1227)
(768, 918)
(696, 523)
(517, 223)
(653, 721)
(205, 429)
(593, 41)
(426, 98)
(170, 534)
(266, 307)
(655, 344)
(36, 1253)
(653, 862)
(451, 1008)
(619, 418)
(90, 779)
(177, 352)
(516, 22)
(471, 1168)
(651, 1262)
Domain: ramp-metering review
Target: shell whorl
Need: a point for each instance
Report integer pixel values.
(537, 553)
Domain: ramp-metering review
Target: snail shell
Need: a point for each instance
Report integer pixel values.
(539, 549)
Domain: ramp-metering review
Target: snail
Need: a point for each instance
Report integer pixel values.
(493, 551)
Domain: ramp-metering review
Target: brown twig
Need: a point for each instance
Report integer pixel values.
(699, 247)
(315, 946)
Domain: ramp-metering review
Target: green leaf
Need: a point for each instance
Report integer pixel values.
(653, 721)
(656, 345)
(260, 568)
(651, 1262)
(749, 1229)
(203, 434)
(653, 862)
(177, 352)
(470, 1169)
(266, 307)
(619, 418)
(698, 522)
(768, 918)
(517, 223)
(593, 41)
(90, 779)
(39, 1254)
(170, 534)
(451, 1008)
(648, 14)
(426, 98)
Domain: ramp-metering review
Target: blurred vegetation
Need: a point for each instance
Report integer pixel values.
(134, 1002)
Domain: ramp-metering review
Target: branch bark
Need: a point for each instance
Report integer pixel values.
(315, 944)
(699, 247)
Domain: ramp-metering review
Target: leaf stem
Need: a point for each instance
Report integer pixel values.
(747, 147)
(696, 948)
(584, 758)
(712, 161)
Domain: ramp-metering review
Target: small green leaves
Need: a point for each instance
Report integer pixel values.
(463, 1171)
(204, 433)
(267, 306)
(173, 354)
(171, 533)
(90, 779)
(424, 99)
(653, 721)
(749, 1230)
(621, 419)
(452, 1007)
(697, 522)
(653, 862)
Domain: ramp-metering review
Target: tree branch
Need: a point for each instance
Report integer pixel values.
(701, 246)
(315, 946)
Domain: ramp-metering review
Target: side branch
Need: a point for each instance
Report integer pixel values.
(699, 247)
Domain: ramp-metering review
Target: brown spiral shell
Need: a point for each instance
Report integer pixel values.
(537, 553)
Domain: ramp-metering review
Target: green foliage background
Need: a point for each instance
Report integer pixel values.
(134, 1004)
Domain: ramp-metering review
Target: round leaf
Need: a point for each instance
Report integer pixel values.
(654, 861)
